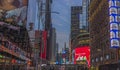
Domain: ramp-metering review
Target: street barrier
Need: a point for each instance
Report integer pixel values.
(64, 67)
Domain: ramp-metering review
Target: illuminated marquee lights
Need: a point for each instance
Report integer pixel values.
(114, 13)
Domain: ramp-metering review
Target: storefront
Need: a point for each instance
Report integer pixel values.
(110, 67)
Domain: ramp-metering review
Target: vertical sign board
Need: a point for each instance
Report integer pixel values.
(114, 14)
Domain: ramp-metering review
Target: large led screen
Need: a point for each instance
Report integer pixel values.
(82, 54)
(114, 14)
(13, 11)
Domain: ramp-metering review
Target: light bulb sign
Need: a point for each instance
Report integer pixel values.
(114, 21)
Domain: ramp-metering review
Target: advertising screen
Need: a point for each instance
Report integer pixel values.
(82, 55)
(114, 14)
(13, 11)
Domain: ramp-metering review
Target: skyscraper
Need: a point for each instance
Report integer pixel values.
(75, 12)
(57, 48)
(53, 45)
(79, 20)
(79, 26)
(84, 16)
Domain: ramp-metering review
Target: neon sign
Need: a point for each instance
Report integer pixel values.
(114, 17)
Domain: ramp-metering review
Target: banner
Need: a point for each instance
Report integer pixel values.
(44, 44)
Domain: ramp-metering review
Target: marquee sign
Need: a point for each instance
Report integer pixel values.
(114, 14)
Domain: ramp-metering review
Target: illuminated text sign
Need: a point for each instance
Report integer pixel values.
(114, 14)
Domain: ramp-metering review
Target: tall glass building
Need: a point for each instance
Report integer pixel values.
(79, 20)
(84, 16)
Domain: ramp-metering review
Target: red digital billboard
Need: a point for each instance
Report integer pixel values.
(82, 55)
(44, 44)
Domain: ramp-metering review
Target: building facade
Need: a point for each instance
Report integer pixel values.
(79, 19)
(84, 16)
(57, 51)
(15, 45)
(79, 26)
(75, 12)
(99, 34)
(41, 20)
(48, 27)
(53, 45)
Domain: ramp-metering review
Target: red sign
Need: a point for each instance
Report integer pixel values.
(43, 45)
(82, 54)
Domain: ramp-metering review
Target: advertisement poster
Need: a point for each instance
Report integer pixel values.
(43, 45)
(13, 11)
(82, 55)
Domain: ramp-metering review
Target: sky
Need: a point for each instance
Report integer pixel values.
(62, 20)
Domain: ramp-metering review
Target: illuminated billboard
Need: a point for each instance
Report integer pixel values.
(114, 17)
(82, 55)
(14, 11)
(43, 45)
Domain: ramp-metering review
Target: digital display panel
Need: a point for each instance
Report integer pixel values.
(82, 55)
(114, 17)
(14, 11)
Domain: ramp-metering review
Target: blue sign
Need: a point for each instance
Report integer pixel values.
(57, 62)
(114, 13)
(64, 52)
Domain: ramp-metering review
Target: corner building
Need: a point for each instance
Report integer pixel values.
(101, 52)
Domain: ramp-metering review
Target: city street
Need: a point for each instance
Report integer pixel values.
(59, 34)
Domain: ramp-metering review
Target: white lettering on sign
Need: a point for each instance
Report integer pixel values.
(81, 58)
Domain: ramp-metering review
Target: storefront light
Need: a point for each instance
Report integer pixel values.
(1, 56)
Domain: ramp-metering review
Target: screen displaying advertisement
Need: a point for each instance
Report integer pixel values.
(114, 15)
(82, 55)
(14, 11)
